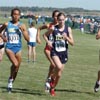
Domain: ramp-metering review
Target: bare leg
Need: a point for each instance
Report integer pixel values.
(16, 60)
(98, 76)
(52, 65)
(34, 53)
(29, 53)
(58, 70)
(1, 54)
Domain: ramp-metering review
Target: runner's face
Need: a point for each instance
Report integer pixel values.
(61, 20)
(55, 16)
(16, 15)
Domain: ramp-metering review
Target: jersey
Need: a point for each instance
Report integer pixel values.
(1, 43)
(1, 40)
(32, 34)
(14, 35)
(50, 38)
(59, 44)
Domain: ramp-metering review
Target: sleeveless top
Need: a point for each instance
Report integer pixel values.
(50, 37)
(32, 32)
(59, 44)
(14, 35)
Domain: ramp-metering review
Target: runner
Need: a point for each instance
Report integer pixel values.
(14, 29)
(47, 49)
(2, 40)
(97, 84)
(32, 31)
(62, 35)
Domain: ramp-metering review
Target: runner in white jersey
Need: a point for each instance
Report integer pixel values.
(32, 31)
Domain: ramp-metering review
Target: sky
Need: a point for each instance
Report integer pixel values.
(86, 4)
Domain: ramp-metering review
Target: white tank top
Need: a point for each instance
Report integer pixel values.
(32, 34)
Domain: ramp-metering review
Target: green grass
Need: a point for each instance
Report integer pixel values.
(77, 80)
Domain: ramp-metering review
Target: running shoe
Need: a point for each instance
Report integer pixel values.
(52, 92)
(96, 87)
(47, 85)
(10, 85)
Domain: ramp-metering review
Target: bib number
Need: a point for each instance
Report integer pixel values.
(60, 44)
(14, 38)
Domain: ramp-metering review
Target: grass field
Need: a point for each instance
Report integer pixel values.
(77, 81)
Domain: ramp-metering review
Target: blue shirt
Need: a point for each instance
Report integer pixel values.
(14, 35)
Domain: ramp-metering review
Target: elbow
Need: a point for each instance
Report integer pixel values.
(97, 37)
(27, 39)
(72, 43)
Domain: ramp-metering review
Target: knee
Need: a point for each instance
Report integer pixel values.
(16, 67)
(59, 72)
(16, 64)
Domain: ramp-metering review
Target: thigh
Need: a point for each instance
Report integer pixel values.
(12, 56)
(57, 62)
(33, 48)
(29, 48)
(18, 57)
(2, 51)
(48, 55)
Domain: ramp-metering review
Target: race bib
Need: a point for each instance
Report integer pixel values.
(14, 38)
(60, 44)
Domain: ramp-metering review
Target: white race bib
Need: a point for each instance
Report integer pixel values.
(14, 38)
(60, 44)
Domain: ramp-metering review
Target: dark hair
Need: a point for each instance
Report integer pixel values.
(32, 24)
(12, 11)
(60, 14)
(54, 12)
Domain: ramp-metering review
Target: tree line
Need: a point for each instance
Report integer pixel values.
(69, 10)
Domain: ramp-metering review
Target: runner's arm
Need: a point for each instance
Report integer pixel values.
(24, 32)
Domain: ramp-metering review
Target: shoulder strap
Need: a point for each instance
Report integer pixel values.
(66, 29)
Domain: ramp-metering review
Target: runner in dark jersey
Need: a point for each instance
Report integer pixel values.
(62, 35)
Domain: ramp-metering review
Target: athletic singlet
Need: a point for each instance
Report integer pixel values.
(14, 35)
(50, 38)
(32, 32)
(1, 40)
(59, 43)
